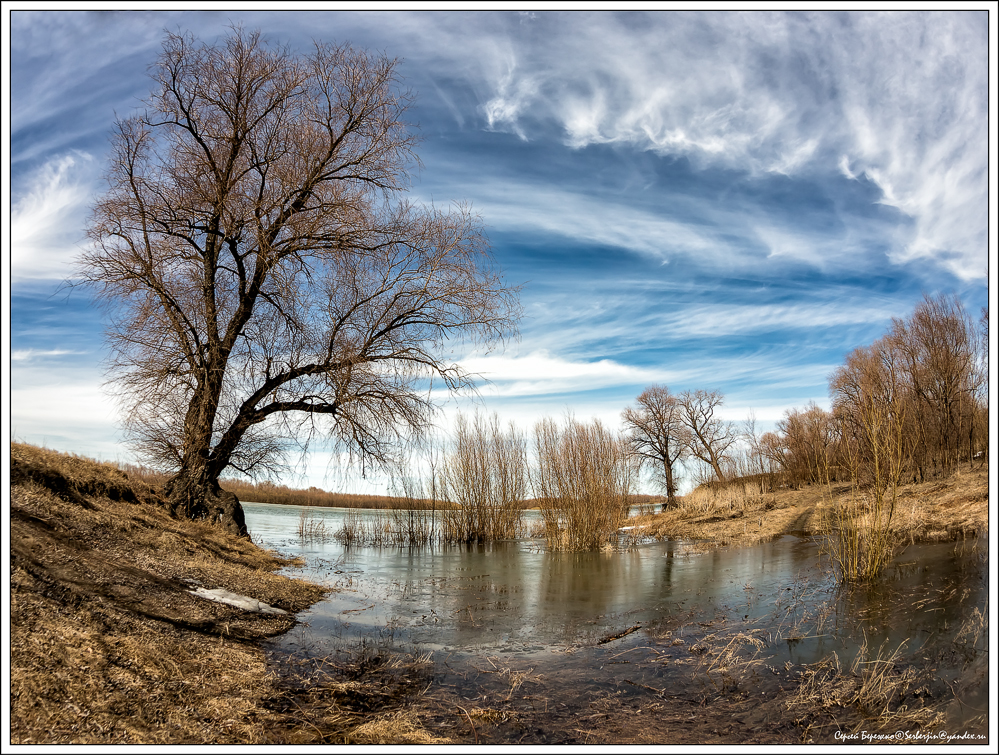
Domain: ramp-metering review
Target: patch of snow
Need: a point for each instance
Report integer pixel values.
(239, 601)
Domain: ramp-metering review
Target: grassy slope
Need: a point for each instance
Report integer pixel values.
(107, 644)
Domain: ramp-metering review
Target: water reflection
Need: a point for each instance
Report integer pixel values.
(514, 599)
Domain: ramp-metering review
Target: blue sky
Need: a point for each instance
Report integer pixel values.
(726, 201)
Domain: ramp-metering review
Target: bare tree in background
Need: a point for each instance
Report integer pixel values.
(657, 436)
(937, 346)
(265, 278)
(710, 437)
(809, 439)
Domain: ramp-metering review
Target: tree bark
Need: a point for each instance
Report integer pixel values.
(196, 494)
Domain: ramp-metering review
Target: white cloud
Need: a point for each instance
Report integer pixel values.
(47, 220)
(516, 206)
(71, 416)
(30, 355)
(540, 373)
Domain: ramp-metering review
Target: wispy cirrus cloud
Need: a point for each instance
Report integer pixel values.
(782, 93)
(542, 373)
(46, 226)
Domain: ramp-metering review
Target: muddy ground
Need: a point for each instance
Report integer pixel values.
(108, 645)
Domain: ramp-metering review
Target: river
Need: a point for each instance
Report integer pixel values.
(640, 615)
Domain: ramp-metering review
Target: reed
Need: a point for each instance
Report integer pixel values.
(412, 527)
(312, 527)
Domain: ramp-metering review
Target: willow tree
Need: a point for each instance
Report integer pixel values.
(266, 278)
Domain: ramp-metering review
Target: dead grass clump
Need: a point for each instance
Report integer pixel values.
(876, 692)
(514, 677)
(974, 629)
(399, 727)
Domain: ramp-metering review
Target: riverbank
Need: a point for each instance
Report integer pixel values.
(947, 508)
(109, 644)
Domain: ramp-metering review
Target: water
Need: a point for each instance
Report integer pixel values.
(556, 613)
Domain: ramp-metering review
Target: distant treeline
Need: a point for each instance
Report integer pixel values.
(269, 492)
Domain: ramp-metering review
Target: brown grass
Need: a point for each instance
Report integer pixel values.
(951, 508)
(399, 727)
(877, 693)
(107, 644)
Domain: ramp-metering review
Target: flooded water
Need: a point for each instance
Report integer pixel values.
(640, 615)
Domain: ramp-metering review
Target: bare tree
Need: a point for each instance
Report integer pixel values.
(657, 436)
(937, 347)
(870, 402)
(710, 437)
(809, 438)
(265, 278)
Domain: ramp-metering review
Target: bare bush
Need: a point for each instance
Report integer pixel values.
(582, 478)
(869, 399)
(484, 479)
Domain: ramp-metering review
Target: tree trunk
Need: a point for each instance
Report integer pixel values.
(717, 467)
(670, 486)
(196, 494)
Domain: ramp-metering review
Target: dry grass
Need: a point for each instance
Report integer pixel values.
(400, 727)
(108, 646)
(877, 693)
(950, 508)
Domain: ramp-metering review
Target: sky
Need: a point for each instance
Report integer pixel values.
(726, 201)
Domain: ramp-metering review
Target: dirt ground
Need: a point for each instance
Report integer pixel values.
(108, 645)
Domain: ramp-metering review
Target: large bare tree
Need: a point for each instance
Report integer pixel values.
(265, 277)
(657, 436)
